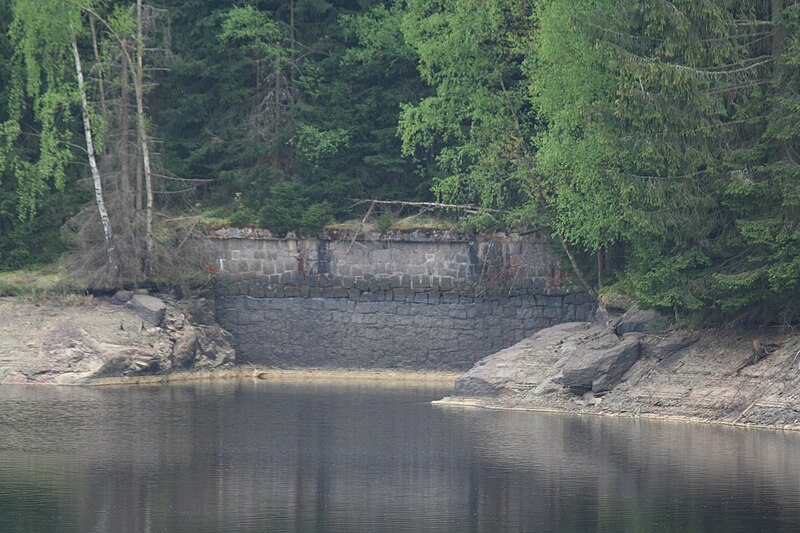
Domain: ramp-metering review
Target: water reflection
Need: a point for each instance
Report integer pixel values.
(281, 457)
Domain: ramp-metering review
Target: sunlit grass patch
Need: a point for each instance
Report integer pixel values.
(49, 280)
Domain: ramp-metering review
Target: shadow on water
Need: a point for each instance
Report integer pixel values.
(255, 456)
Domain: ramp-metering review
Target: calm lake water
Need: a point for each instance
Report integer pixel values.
(266, 457)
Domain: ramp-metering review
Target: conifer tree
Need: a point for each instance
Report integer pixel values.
(669, 129)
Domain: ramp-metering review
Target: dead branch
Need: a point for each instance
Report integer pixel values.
(360, 228)
(576, 269)
(462, 207)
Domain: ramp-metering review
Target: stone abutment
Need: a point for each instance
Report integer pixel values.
(411, 300)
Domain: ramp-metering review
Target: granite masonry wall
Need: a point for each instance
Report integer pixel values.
(415, 300)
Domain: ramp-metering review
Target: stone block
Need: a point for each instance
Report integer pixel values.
(120, 297)
(599, 365)
(373, 296)
(148, 308)
(291, 292)
(315, 292)
(257, 291)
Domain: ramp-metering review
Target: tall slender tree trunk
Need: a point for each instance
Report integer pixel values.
(778, 48)
(142, 128)
(113, 266)
(139, 204)
(101, 81)
(778, 32)
(124, 126)
(291, 43)
(600, 267)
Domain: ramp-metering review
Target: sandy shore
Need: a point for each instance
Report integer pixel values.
(299, 375)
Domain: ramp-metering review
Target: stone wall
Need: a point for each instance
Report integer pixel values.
(406, 300)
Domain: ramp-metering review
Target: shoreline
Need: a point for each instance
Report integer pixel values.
(478, 403)
(705, 376)
(342, 376)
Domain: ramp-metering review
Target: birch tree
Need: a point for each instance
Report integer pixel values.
(49, 74)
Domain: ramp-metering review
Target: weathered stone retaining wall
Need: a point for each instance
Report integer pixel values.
(410, 300)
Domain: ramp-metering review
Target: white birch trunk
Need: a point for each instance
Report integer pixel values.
(113, 268)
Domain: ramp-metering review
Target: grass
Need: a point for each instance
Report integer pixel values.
(49, 280)
(410, 223)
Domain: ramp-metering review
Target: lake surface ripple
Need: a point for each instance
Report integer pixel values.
(264, 457)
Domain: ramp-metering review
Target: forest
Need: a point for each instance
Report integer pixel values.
(656, 142)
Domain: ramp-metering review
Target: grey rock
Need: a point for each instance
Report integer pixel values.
(477, 386)
(600, 364)
(663, 347)
(550, 385)
(120, 297)
(185, 348)
(641, 320)
(603, 317)
(528, 365)
(148, 308)
(199, 311)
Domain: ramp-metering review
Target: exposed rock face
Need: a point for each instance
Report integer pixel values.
(535, 363)
(642, 321)
(600, 364)
(579, 356)
(77, 342)
(708, 375)
(148, 308)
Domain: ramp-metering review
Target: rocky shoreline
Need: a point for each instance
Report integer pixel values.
(633, 366)
(141, 339)
(77, 340)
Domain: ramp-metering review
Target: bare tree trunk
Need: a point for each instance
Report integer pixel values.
(139, 175)
(124, 126)
(113, 267)
(576, 269)
(141, 125)
(600, 267)
(103, 103)
(291, 43)
(778, 32)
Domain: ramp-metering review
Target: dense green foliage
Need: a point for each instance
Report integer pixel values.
(661, 136)
(672, 127)
(476, 124)
(34, 199)
(287, 92)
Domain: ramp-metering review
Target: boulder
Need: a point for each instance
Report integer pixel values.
(199, 311)
(642, 321)
(474, 386)
(121, 297)
(148, 308)
(600, 364)
(185, 348)
(531, 364)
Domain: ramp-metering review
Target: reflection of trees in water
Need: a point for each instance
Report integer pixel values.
(622, 474)
(288, 458)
